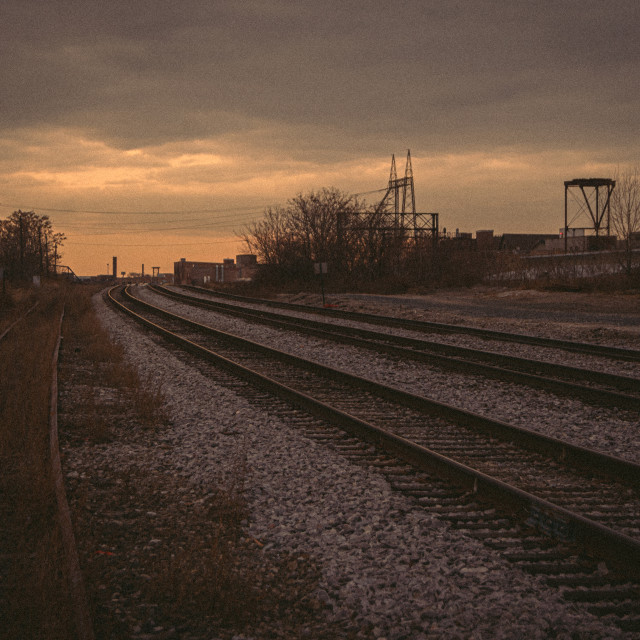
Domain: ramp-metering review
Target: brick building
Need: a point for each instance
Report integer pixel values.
(200, 273)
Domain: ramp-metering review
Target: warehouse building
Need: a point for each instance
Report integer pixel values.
(200, 273)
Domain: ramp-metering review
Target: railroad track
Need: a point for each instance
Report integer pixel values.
(551, 508)
(54, 530)
(590, 386)
(434, 327)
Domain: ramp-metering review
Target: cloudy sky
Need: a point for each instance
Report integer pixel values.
(155, 130)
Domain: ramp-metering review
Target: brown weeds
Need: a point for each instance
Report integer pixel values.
(148, 400)
(33, 586)
(113, 388)
(32, 582)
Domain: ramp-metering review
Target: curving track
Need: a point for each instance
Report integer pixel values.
(434, 327)
(497, 481)
(591, 386)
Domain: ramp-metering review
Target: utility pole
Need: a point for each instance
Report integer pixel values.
(40, 248)
(21, 222)
(46, 252)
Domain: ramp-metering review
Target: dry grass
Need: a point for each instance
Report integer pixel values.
(112, 386)
(13, 302)
(200, 576)
(32, 584)
(148, 400)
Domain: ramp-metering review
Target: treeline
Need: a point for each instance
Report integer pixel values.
(28, 246)
(315, 228)
(356, 243)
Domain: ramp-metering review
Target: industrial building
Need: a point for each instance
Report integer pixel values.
(519, 243)
(579, 241)
(201, 273)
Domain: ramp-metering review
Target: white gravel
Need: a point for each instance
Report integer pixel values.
(610, 431)
(597, 335)
(384, 560)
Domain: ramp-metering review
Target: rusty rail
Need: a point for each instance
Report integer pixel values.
(77, 591)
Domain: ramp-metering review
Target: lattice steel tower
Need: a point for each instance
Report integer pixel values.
(398, 208)
(596, 199)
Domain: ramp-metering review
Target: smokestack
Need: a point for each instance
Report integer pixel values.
(115, 266)
(143, 271)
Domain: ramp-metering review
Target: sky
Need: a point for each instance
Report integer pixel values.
(155, 130)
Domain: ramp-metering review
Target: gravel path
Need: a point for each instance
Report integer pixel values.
(387, 568)
(516, 304)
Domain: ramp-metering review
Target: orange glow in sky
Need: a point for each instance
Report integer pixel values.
(155, 205)
(153, 131)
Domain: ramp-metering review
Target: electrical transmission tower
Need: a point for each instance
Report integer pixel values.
(396, 212)
(392, 231)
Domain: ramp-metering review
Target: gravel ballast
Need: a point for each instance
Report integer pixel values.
(386, 568)
(610, 431)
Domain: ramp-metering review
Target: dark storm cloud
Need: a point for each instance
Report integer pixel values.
(449, 75)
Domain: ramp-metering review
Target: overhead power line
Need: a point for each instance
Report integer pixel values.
(107, 228)
(137, 213)
(366, 193)
(145, 244)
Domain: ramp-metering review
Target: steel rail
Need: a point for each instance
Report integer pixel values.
(580, 457)
(77, 592)
(514, 369)
(620, 549)
(617, 353)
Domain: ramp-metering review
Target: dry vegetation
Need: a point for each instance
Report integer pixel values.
(104, 384)
(32, 583)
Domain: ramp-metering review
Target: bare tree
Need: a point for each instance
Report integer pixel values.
(625, 213)
(28, 245)
(315, 227)
(270, 237)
